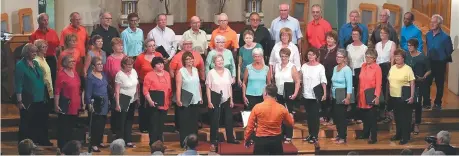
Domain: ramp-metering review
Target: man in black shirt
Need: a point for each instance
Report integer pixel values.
(262, 35)
(443, 139)
(106, 31)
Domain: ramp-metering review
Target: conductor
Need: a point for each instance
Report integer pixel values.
(268, 117)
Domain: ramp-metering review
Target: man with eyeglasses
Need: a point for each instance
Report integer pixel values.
(285, 20)
(163, 36)
(345, 32)
(317, 28)
(224, 30)
(262, 35)
(384, 21)
(197, 36)
(106, 31)
(132, 37)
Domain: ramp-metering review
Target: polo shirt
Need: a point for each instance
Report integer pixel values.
(262, 37)
(82, 37)
(439, 47)
(107, 35)
(399, 77)
(316, 32)
(49, 36)
(345, 34)
(132, 41)
(291, 22)
(30, 80)
(230, 35)
(199, 39)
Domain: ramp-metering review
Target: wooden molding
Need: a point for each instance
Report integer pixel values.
(374, 15)
(5, 19)
(25, 12)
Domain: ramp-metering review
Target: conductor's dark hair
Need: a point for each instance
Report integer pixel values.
(271, 90)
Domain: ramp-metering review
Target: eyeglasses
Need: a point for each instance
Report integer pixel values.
(108, 18)
(220, 42)
(409, 45)
(223, 20)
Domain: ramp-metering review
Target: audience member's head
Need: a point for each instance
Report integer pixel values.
(72, 148)
(353, 153)
(443, 138)
(117, 147)
(191, 141)
(157, 148)
(25, 147)
(433, 152)
(406, 152)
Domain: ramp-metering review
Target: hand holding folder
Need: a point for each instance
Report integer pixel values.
(157, 97)
(318, 92)
(340, 95)
(185, 97)
(124, 102)
(215, 98)
(289, 89)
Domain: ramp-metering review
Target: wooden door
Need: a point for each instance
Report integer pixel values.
(300, 10)
(190, 9)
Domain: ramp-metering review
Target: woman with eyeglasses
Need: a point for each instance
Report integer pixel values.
(245, 54)
(369, 77)
(97, 44)
(30, 89)
(385, 60)
(132, 36)
(126, 84)
(286, 72)
(67, 87)
(342, 78)
(143, 66)
(227, 57)
(313, 75)
(401, 75)
(421, 68)
(96, 91)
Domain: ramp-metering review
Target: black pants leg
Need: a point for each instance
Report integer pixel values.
(417, 105)
(369, 123)
(253, 100)
(188, 122)
(439, 75)
(66, 123)
(354, 112)
(24, 125)
(424, 93)
(157, 119)
(402, 112)
(217, 112)
(52, 63)
(126, 120)
(326, 105)
(312, 108)
(385, 72)
(271, 145)
(228, 115)
(39, 122)
(144, 113)
(287, 130)
(340, 113)
(97, 129)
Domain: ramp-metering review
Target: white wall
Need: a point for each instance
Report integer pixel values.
(453, 73)
(11, 7)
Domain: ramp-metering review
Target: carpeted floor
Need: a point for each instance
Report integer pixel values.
(239, 149)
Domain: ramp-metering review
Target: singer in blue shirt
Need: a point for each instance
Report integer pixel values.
(410, 31)
(439, 50)
(346, 30)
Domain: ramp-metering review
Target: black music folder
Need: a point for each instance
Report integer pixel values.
(158, 97)
(163, 51)
(186, 97)
(370, 96)
(406, 92)
(125, 101)
(98, 103)
(340, 95)
(215, 98)
(318, 92)
(64, 104)
(289, 89)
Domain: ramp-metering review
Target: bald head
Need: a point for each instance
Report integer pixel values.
(195, 23)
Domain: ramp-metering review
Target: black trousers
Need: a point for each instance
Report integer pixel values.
(354, 112)
(34, 123)
(52, 63)
(221, 110)
(66, 124)
(339, 118)
(97, 128)
(188, 122)
(253, 100)
(385, 67)
(125, 120)
(144, 113)
(402, 114)
(422, 99)
(270, 145)
(370, 127)
(156, 126)
(287, 130)
(326, 106)
(312, 109)
(438, 73)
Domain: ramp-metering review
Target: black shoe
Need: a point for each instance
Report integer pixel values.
(427, 107)
(394, 138)
(372, 141)
(403, 142)
(312, 140)
(361, 137)
(233, 142)
(437, 107)
(307, 139)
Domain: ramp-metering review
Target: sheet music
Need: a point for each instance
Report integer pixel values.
(245, 117)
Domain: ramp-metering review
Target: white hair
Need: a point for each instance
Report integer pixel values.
(117, 147)
(222, 15)
(445, 137)
(355, 11)
(220, 38)
(257, 51)
(387, 11)
(438, 17)
(288, 6)
(41, 16)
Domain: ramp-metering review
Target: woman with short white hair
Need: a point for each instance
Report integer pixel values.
(227, 56)
(256, 77)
